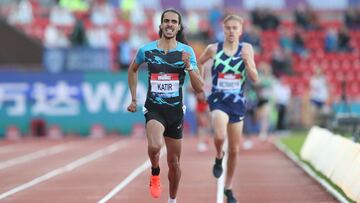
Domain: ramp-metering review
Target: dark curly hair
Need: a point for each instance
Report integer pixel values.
(180, 37)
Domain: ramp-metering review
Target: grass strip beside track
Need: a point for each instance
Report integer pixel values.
(294, 142)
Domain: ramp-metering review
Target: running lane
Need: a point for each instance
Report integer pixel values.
(266, 175)
(20, 183)
(196, 184)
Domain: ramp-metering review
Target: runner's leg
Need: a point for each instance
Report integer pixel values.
(173, 147)
(234, 136)
(219, 121)
(154, 133)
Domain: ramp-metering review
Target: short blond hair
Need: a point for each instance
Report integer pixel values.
(234, 17)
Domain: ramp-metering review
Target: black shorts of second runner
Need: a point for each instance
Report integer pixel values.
(235, 111)
(172, 121)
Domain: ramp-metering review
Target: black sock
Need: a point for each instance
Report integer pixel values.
(155, 171)
(218, 161)
(228, 192)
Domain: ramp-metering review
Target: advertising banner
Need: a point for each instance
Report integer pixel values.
(73, 101)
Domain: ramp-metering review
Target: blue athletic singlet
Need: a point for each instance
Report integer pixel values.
(228, 79)
(166, 73)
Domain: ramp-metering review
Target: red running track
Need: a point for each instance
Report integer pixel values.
(82, 170)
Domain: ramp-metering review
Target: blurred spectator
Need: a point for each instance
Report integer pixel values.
(306, 18)
(98, 37)
(215, 16)
(285, 40)
(203, 126)
(38, 127)
(134, 12)
(155, 21)
(102, 13)
(264, 94)
(331, 40)
(301, 16)
(75, 5)
(46, 3)
(23, 13)
(137, 38)
(61, 16)
(257, 17)
(265, 19)
(282, 94)
(55, 37)
(352, 18)
(252, 35)
(124, 54)
(299, 44)
(319, 94)
(126, 6)
(251, 124)
(78, 35)
(114, 3)
(193, 21)
(281, 62)
(344, 40)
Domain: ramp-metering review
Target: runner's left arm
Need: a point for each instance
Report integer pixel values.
(191, 67)
(248, 57)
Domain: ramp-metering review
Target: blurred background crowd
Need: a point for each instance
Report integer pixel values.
(307, 51)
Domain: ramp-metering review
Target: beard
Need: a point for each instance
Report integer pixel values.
(167, 37)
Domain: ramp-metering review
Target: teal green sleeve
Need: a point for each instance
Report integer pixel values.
(140, 56)
(193, 62)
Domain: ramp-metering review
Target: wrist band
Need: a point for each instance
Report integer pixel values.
(190, 69)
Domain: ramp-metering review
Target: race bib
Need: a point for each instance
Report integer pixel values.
(166, 84)
(228, 81)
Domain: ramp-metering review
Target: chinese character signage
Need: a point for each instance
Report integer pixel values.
(73, 101)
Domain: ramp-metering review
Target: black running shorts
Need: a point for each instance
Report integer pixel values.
(172, 120)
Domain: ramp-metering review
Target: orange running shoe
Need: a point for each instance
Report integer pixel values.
(155, 186)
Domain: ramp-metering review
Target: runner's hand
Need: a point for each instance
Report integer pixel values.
(186, 58)
(245, 56)
(132, 106)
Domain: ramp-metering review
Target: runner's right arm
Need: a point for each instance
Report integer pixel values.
(133, 79)
(205, 56)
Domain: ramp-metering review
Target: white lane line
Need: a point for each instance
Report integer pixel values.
(128, 179)
(221, 180)
(67, 168)
(32, 156)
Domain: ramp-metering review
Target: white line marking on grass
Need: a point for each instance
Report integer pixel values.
(69, 167)
(128, 179)
(310, 172)
(32, 156)
(221, 180)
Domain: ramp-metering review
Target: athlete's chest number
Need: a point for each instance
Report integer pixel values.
(167, 83)
(229, 81)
